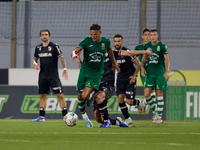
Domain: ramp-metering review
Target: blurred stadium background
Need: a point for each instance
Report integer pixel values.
(69, 21)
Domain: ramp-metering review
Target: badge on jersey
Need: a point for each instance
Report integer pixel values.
(158, 48)
(102, 46)
(49, 48)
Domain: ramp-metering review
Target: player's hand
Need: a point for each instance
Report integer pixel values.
(166, 75)
(65, 74)
(143, 72)
(36, 66)
(148, 52)
(74, 57)
(132, 79)
(116, 67)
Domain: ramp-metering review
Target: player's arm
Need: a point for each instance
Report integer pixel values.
(137, 65)
(76, 52)
(63, 62)
(167, 60)
(135, 52)
(35, 64)
(143, 71)
(79, 61)
(114, 63)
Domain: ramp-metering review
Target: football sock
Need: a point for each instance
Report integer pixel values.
(82, 105)
(136, 102)
(160, 105)
(84, 115)
(150, 101)
(124, 110)
(42, 112)
(64, 111)
(103, 109)
(153, 96)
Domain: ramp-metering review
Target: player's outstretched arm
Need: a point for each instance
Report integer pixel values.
(166, 75)
(114, 63)
(75, 53)
(65, 74)
(133, 53)
(35, 64)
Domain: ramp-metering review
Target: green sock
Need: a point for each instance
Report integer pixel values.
(82, 105)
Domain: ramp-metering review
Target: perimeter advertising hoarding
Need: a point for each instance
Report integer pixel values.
(22, 102)
(183, 103)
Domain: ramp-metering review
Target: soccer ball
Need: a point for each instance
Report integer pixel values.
(71, 119)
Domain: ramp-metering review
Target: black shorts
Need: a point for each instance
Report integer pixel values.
(46, 84)
(124, 87)
(109, 91)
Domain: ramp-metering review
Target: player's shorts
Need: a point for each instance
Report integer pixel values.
(143, 79)
(46, 84)
(85, 80)
(109, 91)
(156, 81)
(124, 87)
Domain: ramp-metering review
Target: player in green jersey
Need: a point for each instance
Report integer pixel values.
(157, 71)
(152, 101)
(92, 68)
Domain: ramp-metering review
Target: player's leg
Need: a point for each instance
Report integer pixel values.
(105, 92)
(100, 97)
(152, 100)
(161, 85)
(56, 87)
(44, 86)
(121, 88)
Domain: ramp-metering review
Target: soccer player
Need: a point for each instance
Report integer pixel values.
(48, 53)
(92, 68)
(157, 72)
(126, 79)
(152, 101)
(105, 92)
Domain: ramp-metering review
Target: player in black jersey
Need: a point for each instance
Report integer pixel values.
(48, 53)
(126, 79)
(105, 92)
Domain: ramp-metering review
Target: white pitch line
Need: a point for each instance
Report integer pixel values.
(107, 133)
(13, 140)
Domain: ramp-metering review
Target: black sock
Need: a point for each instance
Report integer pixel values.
(113, 121)
(103, 109)
(124, 110)
(136, 102)
(64, 111)
(42, 112)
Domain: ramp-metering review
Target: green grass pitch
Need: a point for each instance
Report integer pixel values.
(22, 134)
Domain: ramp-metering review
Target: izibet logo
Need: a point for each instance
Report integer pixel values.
(31, 104)
(3, 99)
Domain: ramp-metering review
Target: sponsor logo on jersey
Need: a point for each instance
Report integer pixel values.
(45, 55)
(102, 46)
(121, 61)
(153, 59)
(90, 45)
(49, 48)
